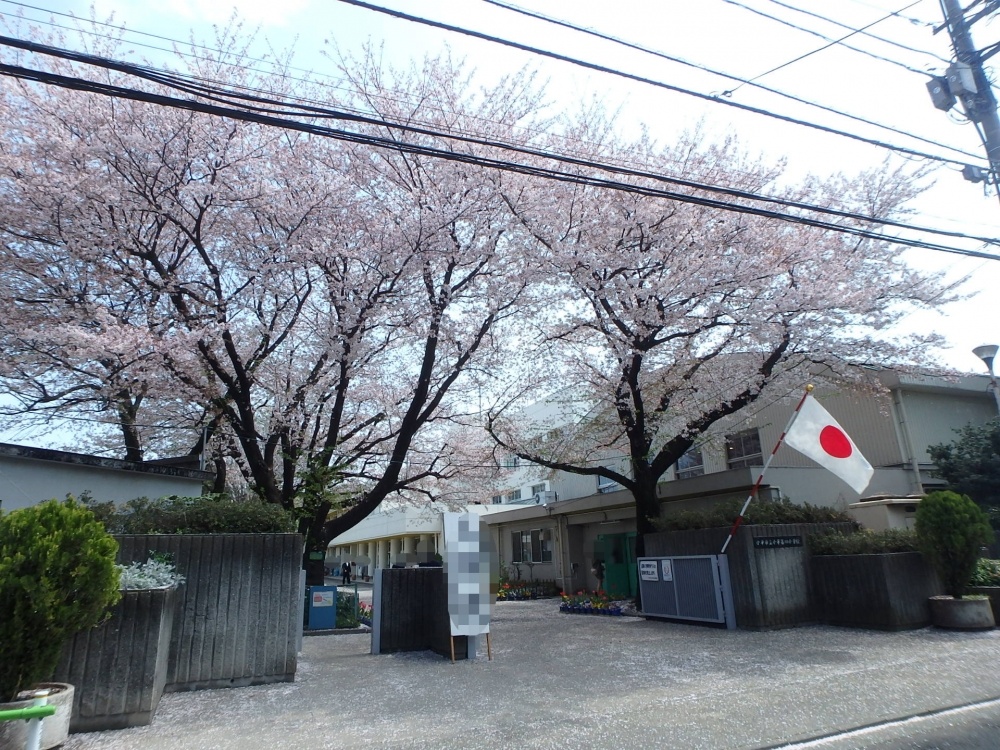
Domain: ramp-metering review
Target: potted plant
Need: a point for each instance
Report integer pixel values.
(119, 668)
(951, 528)
(57, 576)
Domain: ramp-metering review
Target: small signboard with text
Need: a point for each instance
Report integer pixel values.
(777, 542)
(648, 570)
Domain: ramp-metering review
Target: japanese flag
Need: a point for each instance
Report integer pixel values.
(817, 435)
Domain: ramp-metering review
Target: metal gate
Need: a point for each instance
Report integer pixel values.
(695, 587)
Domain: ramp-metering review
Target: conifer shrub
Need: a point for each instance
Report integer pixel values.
(57, 577)
(951, 528)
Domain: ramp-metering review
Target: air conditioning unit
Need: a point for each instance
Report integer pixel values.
(544, 498)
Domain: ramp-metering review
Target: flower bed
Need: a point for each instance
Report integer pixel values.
(589, 603)
(365, 613)
(516, 590)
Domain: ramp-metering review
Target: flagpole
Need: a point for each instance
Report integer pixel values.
(760, 478)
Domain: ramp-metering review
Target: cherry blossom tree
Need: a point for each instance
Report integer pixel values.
(674, 317)
(313, 307)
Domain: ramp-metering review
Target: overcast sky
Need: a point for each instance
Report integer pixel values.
(717, 34)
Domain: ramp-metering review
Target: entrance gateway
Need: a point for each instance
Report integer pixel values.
(691, 587)
(617, 552)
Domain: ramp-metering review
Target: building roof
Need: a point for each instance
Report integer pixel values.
(27, 453)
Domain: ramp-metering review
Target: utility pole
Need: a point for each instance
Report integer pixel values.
(967, 82)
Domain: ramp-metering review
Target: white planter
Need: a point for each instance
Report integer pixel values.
(55, 728)
(961, 614)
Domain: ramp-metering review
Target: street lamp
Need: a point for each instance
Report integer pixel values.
(988, 353)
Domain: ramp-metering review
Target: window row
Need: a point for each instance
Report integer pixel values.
(534, 546)
(743, 449)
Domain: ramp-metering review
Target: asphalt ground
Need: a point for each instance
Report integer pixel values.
(579, 681)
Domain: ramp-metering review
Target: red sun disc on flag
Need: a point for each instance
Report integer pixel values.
(835, 442)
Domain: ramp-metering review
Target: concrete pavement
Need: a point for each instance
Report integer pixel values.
(572, 681)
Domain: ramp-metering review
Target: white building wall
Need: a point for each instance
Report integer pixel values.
(25, 482)
(934, 417)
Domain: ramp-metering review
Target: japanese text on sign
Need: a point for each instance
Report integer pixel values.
(765, 542)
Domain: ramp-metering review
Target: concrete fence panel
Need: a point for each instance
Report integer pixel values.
(884, 591)
(239, 613)
(119, 668)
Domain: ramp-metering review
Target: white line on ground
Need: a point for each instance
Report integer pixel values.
(871, 729)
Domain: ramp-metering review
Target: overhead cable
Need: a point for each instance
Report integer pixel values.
(830, 39)
(648, 81)
(405, 147)
(862, 31)
(833, 43)
(728, 76)
(254, 103)
(315, 80)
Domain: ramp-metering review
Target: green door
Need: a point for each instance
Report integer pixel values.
(618, 553)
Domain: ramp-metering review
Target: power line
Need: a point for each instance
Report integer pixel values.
(911, 19)
(397, 96)
(697, 66)
(405, 147)
(148, 34)
(862, 31)
(830, 39)
(832, 43)
(253, 104)
(648, 81)
(918, 154)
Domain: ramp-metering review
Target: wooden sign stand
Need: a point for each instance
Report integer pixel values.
(489, 647)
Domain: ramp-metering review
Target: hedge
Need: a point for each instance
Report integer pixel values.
(864, 542)
(759, 512)
(207, 514)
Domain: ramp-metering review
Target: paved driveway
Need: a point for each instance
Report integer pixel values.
(573, 681)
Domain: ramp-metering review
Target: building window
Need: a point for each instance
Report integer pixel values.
(607, 485)
(537, 488)
(743, 449)
(691, 464)
(497, 499)
(513, 497)
(534, 546)
(510, 462)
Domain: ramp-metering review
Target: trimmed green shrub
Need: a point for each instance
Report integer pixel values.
(987, 573)
(347, 616)
(759, 512)
(57, 577)
(951, 529)
(207, 514)
(864, 542)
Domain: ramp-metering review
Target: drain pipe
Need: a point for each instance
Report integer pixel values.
(33, 714)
